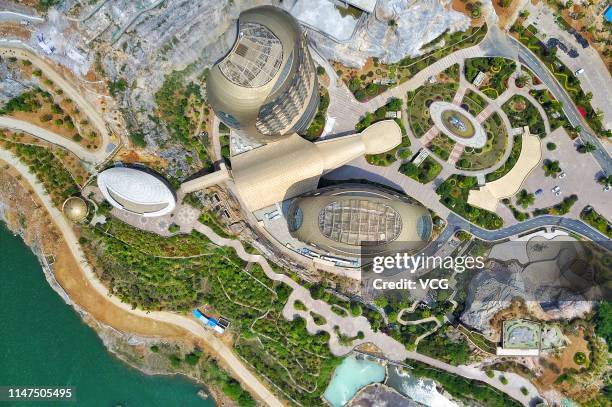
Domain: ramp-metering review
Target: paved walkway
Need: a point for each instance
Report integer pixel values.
(91, 156)
(19, 50)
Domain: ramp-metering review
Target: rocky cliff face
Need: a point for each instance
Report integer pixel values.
(397, 29)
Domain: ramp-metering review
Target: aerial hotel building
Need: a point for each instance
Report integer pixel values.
(358, 219)
(266, 86)
(136, 191)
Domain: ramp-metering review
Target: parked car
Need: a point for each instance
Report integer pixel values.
(562, 175)
(579, 71)
(539, 192)
(556, 190)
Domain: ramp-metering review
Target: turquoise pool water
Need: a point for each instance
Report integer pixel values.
(349, 377)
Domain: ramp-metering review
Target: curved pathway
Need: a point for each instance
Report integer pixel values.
(19, 50)
(92, 156)
(225, 353)
(571, 112)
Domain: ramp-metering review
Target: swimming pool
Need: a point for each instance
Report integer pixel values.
(350, 377)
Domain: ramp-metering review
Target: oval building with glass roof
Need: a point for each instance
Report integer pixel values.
(136, 191)
(347, 219)
(266, 86)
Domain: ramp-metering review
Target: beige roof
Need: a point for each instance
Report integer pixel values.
(75, 209)
(276, 171)
(240, 97)
(488, 196)
(292, 166)
(340, 219)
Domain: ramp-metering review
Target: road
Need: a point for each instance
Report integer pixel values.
(17, 49)
(456, 222)
(91, 156)
(527, 58)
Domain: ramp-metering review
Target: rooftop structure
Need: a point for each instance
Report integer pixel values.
(75, 209)
(343, 219)
(136, 191)
(266, 86)
(290, 167)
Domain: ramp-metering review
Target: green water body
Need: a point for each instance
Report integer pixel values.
(43, 342)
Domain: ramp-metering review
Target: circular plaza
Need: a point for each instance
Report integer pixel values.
(458, 124)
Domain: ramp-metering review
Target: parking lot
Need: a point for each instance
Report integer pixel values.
(581, 171)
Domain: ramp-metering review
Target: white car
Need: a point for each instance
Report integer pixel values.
(562, 175)
(607, 188)
(556, 190)
(579, 71)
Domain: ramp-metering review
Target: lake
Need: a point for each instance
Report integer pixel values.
(45, 343)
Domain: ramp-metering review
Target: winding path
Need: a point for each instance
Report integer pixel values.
(18, 50)
(224, 352)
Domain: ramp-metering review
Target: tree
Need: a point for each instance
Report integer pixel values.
(551, 168)
(522, 80)
(525, 198)
(587, 147)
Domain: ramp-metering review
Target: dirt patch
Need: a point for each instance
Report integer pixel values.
(465, 7)
(555, 364)
(12, 30)
(506, 14)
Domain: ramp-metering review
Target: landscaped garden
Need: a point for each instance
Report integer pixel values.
(402, 151)
(454, 194)
(375, 77)
(590, 216)
(194, 272)
(426, 172)
(419, 101)
(313, 132)
(497, 70)
(521, 113)
(552, 107)
(441, 145)
(564, 75)
(473, 102)
(493, 150)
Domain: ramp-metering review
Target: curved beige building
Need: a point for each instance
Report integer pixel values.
(266, 86)
(292, 166)
(353, 219)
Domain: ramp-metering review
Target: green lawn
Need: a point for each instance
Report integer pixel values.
(492, 152)
(419, 101)
(474, 102)
(522, 112)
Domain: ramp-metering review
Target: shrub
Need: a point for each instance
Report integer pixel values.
(551, 146)
(503, 379)
(580, 358)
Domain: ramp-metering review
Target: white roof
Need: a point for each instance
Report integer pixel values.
(136, 191)
(365, 5)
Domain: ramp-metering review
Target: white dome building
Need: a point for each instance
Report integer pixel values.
(136, 191)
